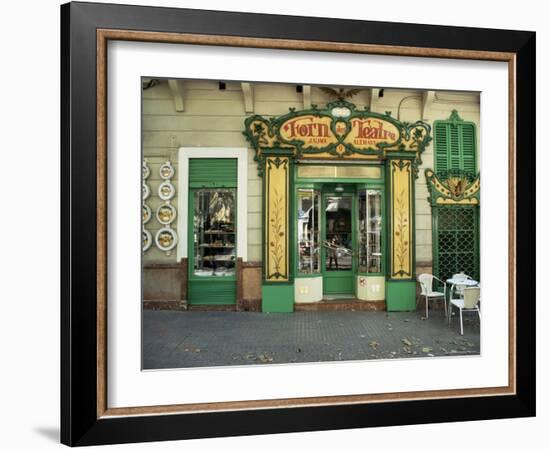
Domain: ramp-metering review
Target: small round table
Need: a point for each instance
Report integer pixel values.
(459, 283)
(462, 282)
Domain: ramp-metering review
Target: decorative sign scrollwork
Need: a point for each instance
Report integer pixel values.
(338, 131)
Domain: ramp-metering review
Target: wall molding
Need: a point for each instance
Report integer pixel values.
(239, 153)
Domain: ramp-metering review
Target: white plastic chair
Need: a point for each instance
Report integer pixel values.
(459, 288)
(426, 287)
(469, 303)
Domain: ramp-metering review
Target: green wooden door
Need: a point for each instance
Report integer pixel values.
(338, 234)
(212, 228)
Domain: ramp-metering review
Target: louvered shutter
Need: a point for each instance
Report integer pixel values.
(441, 146)
(455, 146)
(468, 147)
(213, 172)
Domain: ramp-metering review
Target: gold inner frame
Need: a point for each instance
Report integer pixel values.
(103, 36)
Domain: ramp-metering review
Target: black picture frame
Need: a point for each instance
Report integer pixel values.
(80, 423)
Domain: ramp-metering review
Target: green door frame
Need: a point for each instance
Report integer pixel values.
(325, 186)
(380, 187)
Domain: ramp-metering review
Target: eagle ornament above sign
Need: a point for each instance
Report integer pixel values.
(453, 187)
(338, 131)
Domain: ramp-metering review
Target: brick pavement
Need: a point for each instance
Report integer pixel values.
(175, 339)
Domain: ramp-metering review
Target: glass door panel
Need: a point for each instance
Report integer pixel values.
(309, 217)
(370, 231)
(338, 232)
(214, 232)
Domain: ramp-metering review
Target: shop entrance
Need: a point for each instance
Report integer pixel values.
(340, 241)
(338, 236)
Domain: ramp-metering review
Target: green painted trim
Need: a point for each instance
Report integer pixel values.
(374, 185)
(205, 291)
(400, 295)
(277, 297)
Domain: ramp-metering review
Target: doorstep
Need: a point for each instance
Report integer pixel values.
(212, 307)
(341, 304)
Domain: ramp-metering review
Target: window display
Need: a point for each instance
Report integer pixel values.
(370, 231)
(308, 231)
(214, 232)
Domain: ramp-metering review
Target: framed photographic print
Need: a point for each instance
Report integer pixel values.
(278, 224)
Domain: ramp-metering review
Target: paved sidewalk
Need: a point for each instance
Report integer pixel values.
(173, 339)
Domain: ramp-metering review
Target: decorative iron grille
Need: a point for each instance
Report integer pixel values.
(456, 241)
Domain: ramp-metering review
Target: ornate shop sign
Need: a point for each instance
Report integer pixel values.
(337, 131)
(452, 187)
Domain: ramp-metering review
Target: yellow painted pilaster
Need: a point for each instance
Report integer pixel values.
(401, 216)
(276, 206)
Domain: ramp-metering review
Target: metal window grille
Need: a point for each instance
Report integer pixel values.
(456, 241)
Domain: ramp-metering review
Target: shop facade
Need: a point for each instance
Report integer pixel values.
(290, 205)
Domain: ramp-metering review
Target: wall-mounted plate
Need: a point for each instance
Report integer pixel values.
(166, 191)
(145, 191)
(166, 214)
(146, 214)
(145, 170)
(166, 239)
(146, 240)
(167, 170)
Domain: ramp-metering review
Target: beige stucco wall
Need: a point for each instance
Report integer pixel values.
(215, 118)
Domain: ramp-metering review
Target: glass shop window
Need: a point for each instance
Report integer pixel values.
(370, 231)
(214, 232)
(309, 209)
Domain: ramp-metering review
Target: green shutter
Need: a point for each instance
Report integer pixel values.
(213, 172)
(441, 146)
(455, 146)
(216, 291)
(468, 147)
(455, 228)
